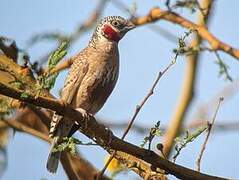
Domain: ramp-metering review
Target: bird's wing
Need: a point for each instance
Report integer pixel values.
(74, 78)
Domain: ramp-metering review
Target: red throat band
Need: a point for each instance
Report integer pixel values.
(111, 33)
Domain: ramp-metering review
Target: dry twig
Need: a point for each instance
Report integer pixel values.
(210, 124)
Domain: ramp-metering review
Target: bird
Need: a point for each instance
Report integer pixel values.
(90, 80)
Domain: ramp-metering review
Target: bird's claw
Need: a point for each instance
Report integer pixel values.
(85, 115)
(63, 103)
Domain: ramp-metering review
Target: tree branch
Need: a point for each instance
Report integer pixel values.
(156, 14)
(61, 66)
(30, 85)
(104, 137)
(23, 128)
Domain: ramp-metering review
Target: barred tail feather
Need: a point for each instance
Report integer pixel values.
(58, 130)
(54, 157)
(54, 122)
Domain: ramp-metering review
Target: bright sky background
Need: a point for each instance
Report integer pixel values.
(143, 54)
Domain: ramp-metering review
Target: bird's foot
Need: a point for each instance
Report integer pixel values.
(86, 116)
(63, 103)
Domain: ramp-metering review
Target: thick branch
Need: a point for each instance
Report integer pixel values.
(23, 128)
(104, 137)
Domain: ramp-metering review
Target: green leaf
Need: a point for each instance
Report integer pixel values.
(57, 55)
(24, 95)
(181, 142)
(47, 81)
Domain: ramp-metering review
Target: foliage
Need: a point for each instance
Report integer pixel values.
(69, 144)
(223, 68)
(182, 48)
(154, 131)
(24, 95)
(47, 80)
(181, 142)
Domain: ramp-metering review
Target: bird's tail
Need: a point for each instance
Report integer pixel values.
(54, 156)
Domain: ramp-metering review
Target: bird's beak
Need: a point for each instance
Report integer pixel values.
(129, 25)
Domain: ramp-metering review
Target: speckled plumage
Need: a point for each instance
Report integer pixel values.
(90, 80)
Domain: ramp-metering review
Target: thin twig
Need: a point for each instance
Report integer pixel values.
(59, 67)
(198, 161)
(151, 91)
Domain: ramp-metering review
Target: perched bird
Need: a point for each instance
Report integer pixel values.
(90, 80)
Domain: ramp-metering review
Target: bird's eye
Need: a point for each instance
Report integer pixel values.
(115, 23)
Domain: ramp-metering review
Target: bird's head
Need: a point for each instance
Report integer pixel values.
(113, 28)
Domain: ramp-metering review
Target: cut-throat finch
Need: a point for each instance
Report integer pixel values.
(90, 80)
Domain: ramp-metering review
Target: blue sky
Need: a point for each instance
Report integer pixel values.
(143, 54)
